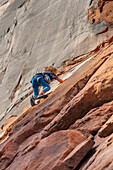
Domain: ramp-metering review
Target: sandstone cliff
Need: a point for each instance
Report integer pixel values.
(72, 128)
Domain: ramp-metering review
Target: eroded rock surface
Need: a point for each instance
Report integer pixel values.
(94, 119)
(70, 129)
(35, 34)
(107, 128)
(97, 91)
(103, 158)
(51, 151)
(88, 96)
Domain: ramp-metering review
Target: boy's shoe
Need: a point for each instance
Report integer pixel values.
(38, 101)
(42, 96)
(32, 101)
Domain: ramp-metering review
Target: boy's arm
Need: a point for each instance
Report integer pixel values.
(60, 80)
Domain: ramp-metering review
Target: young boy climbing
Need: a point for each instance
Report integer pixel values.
(40, 79)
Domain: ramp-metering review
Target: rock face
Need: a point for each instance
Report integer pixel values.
(59, 145)
(36, 34)
(72, 128)
(107, 128)
(42, 130)
(103, 158)
(94, 119)
(97, 91)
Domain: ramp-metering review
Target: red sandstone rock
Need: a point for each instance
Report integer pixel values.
(46, 111)
(7, 154)
(106, 12)
(107, 128)
(41, 121)
(103, 158)
(98, 90)
(94, 119)
(74, 158)
(60, 146)
(103, 11)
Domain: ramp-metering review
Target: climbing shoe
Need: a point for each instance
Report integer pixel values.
(32, 101)
(42, 96)
(39, 96)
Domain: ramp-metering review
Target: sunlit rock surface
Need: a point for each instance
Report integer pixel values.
(72, 128)
(107, 128)
(59, 146)
(39, 33)
(103, 158)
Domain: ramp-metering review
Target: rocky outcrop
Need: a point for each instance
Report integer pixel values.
(95, 93)
(103, 158)
(94, 119)
(107, 128)
(101, 11)
(34, 34)
(72, 128)
(87, 96)
(52, 151)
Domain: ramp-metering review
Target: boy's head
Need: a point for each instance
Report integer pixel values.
(51, 69)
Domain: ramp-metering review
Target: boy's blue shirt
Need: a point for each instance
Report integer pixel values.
(51, 75)
(39, 75)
